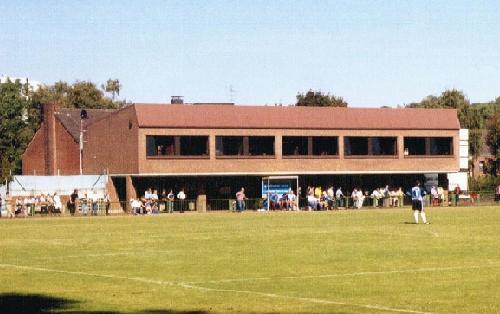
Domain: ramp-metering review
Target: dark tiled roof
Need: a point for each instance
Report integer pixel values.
(70, 119)
(254, 117)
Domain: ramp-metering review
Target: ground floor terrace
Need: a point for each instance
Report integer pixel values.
(219, 191)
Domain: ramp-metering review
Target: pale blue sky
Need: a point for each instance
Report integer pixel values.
(372, 53)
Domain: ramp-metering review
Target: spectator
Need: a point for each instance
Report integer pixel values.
(497, 193)
(9, 205)
(84, 201)
(339, 196)
(312, 202)
(57, 203)
(434, 196)
(136, 206)
(457, 194)
(92, 200)
(330, 197)
(440, 195)
(72, 202)
(240, 200)
(181, 196)
(170, 201)
(292, 199)
(107, 203)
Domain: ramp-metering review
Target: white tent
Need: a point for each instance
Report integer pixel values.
(63, 185)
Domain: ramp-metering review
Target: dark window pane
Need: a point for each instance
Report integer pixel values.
(294, 145)
(384, 146)
(325, 145)
(157, 145)
(261, 145)
(194, 145)
(414, 145)
(229, 145)
(356, 146)
(441, 145)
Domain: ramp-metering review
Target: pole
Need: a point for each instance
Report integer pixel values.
(81, 146)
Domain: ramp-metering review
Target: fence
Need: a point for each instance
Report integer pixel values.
(102, 208)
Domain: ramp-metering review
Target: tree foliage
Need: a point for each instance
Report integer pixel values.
(493, 137)
(15, 127)
(318, 99)
(470, 117)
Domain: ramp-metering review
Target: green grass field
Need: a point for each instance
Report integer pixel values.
(368, 261)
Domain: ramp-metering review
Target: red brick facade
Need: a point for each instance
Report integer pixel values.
(53, 150)
(116, 143)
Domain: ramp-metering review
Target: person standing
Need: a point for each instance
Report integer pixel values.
(9, 205)
(181, 196)
(497, 193)
(240, 200)
(417, 195)
(457, 194)
(170, 201)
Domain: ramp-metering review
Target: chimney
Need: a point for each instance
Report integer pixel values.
(49, 122)
(177, 100)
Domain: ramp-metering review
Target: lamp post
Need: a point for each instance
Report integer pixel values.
(83, 116)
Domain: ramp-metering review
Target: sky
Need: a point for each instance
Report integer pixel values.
(371, 53)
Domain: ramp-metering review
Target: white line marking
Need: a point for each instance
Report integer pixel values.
(191, 286)
(310, 300)
(86, 255)
(81, 273)
(127, 252)
(419, 270)
(433, 233)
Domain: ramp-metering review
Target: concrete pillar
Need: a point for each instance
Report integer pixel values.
(400, 147)
(278, 144)
(212, 147)
(201, 203)
(341, 147)
(130, 192)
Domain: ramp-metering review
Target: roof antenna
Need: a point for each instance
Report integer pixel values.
(232, 93)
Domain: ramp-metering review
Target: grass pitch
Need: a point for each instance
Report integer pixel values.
(367, 261)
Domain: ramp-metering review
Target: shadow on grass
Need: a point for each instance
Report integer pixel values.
(17, 303)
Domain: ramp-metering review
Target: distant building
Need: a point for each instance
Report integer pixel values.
(216, 149)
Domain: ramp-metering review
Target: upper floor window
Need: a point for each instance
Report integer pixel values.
(310, 145)
(370, 146)
(244, 145)
(295, 145)
(171, 146)
(436, 146)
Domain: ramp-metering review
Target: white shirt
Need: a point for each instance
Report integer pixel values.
(181, 195)
(57, 202)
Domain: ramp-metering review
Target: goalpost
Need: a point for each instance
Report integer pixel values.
(278, 185)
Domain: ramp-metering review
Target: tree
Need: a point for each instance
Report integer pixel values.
(472, 117)
(113, 87)
(15, 129)
(493, 138)
(82, 94)
(318, 99)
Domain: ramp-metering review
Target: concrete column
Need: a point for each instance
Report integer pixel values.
(130, 192)
(278, 147)
(341, 147)
(212, 148)
(201, 203)
(400, 145)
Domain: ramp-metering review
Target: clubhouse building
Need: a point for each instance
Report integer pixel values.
(214, 149)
